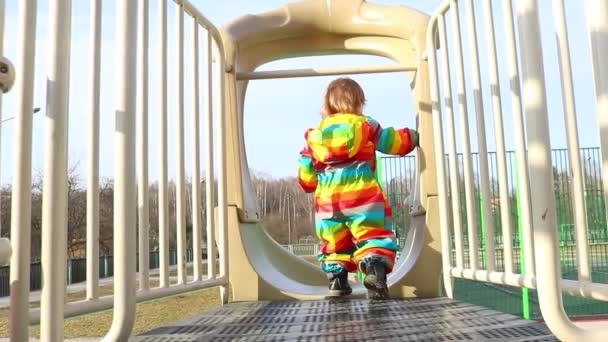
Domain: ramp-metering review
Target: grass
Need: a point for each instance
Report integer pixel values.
(149, 315)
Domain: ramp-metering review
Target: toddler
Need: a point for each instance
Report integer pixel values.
(352, 214)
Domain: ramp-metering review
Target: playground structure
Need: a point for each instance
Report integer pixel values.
(253, 265)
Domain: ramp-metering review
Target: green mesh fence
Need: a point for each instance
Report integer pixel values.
(398, 182)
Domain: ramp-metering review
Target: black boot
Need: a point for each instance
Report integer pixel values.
(375, 280)
(338, 284)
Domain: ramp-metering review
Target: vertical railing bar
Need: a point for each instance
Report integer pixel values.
(541, 170)
(222, 180)
(501, 163)
(210, 172)
(486, 210)
(593, 183)
(2, 20)
(196, 191)
(21, 206)
(392, 180)
(385, 176)
(449, 114)
(598, 175)
(521, 153)
(513, 183)
(143, 198)
(93, 156)
(411, 166)
(403, 174)
(492, 193)
(597, 26)
(180, 215)
(124, 172)
(466, 146)
(387, 184)
(401, 166)
(598, 180)
(439, 156)
(163, 198)
(55, 195)
(588, 177)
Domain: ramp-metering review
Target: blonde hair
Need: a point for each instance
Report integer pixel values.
(343, 95)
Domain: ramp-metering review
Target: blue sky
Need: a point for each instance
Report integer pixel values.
(277, 111)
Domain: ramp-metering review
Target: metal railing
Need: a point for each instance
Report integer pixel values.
(77, 269)
(536, 200)
(132, 85)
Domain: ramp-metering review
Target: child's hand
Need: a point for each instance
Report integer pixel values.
(415, 137)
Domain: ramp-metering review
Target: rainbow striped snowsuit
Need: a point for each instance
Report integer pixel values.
(352, 214)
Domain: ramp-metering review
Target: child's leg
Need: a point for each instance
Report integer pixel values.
(336, 250)
(376, 246)
(375, 240)
(336, 246)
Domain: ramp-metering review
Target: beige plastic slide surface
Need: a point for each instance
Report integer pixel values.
(307, 28)
(301, 279)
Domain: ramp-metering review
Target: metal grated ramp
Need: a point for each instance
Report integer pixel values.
(429, 320)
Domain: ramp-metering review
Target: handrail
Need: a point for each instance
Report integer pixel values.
(77, 308)
(55, 195)
(22, 176)
(439, 151)
(132, 85)
(537, 200)
(124, 306)
(93, 158)
(124, 173)
(367, 69)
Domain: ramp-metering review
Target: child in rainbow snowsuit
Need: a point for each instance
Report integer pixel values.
(352, 214)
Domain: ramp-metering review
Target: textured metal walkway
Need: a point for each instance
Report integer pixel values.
(429, 320)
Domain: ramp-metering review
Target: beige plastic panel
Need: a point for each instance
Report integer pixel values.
(259, 268)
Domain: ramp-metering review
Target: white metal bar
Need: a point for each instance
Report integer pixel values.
(163, 198)
(542, 195)
(494, 277)
(124, 172)
(499, 135)
(472, 221)
(597, 26)
(209, 175)
(203, 21)
(595, 291)
(55, 195)
(580, 216)
(21, 206)
(520, 143)
(449, 114)
(143, 196)
(196, 189)
(93, 155)
(441, 10)
(367, 69)
(84, 307)
(222, 179)
(482, 148)
(180, 215)
(439, 155)
(2, 19)
(571, 287)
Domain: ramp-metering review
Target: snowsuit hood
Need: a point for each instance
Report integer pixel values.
(339, 138)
